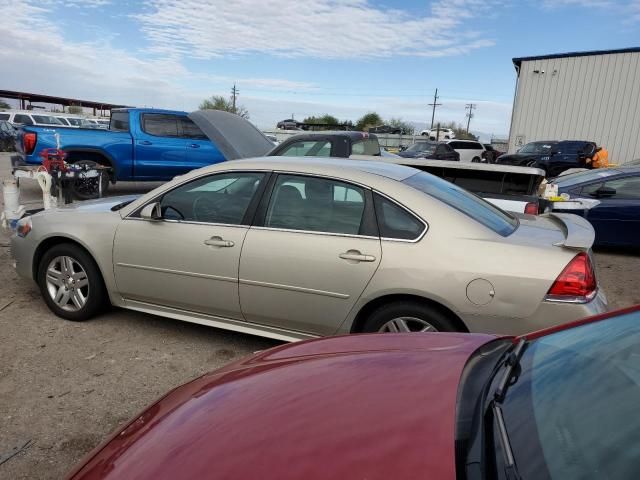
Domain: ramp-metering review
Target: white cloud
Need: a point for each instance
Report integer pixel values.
(627, 10)
(316, 28)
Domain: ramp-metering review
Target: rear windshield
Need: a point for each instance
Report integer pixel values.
(583, 177)
(475, 207)
(367, 146)
(484, 181)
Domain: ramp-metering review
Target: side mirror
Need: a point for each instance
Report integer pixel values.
(151, 211)
(605, 192)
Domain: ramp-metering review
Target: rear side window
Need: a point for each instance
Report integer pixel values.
(23, 119)
(119, 121)
(474, 207)
(394, 222)
(160, 124)
(366, 146)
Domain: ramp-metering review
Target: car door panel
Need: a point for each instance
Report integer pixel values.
(160, 153)
(200, 151)
(172, 264)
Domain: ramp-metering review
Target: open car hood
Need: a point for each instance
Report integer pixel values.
(235, 136)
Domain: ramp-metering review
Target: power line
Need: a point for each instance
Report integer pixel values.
(471, 107)
(434, 105)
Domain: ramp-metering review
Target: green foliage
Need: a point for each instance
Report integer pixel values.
(4, 105)
(218, 102)
(371, 119)
(325, 119)
(75, 109)
(407, 128)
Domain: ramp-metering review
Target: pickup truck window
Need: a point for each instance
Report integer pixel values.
(120, 121)
(23, 119)
(4, 116)
(160, 124)
(309, 148)
(191, 130)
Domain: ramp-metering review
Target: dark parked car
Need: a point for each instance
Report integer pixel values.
(8, 135)
(616, 218)
(434, 150)
(490, 153)
(557, 404)
(288, 124)
(554, 157)
(387, 129)
(328, 144)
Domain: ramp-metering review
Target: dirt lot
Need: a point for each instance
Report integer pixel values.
(65, 385)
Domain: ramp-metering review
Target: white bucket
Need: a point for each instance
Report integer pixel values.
(11, 196)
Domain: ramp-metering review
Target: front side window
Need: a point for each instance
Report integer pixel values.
(191, 130)
(542, 148)
(573, 411)
(627, 188)
(471, 205)
(309, 148)
(394, 222)
(223, 198)
(160, 125)
(423, 147)
(316, 205)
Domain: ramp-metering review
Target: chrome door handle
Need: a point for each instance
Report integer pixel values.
(218, 242)
(357, 256)
(144, 142)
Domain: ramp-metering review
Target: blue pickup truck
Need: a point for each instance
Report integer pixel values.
(147, 144)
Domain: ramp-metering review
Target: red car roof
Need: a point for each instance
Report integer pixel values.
(359, 406)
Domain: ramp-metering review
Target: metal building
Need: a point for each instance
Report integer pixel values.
(579, 96)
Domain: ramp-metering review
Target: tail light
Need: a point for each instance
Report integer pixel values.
(531, 208)
(29, 142)
(576, 283)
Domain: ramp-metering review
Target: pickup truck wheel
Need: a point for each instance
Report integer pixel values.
(88, 188)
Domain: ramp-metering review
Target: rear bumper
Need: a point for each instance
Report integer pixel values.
(548, 314)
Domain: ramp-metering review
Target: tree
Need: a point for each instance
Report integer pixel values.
(4, 105)
(370, 119)
(325, 119)
(76, 109)
(218, 102)
(407, 128)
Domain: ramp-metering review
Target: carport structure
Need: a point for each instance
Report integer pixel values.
(26, 99)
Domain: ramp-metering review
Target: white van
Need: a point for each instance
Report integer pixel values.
(469, 150)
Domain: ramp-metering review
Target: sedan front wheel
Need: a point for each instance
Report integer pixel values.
(71, 283)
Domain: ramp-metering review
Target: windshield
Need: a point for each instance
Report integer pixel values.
(583, 177)
(573, 412)
(537, 147)
(422, 147)
(475, 207)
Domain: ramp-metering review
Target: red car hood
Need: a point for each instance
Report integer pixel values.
(352, 407)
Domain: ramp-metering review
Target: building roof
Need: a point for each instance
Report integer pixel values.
(36, 97)
(518, 60)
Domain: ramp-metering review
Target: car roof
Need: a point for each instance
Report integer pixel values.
(336, 133)
(331, 166)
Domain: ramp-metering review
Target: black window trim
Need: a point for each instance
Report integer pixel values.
(369, 221)
(412, 213)
(142, 117)
(247, 219)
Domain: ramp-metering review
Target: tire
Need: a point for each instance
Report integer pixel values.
(422, 315)
(424, 134)
(476, 160)
(89, 188)
(52, 283)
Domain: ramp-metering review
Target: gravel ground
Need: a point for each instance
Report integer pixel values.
(64, 385)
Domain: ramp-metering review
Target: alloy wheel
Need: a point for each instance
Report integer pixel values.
(67, 283)
(407, 324)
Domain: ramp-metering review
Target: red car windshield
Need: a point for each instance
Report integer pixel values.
(572, 413)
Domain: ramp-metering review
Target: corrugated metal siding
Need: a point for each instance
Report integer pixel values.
(593, 98)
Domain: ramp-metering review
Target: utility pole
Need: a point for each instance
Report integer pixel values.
(234, 94)
(434, 105)
(471, 107)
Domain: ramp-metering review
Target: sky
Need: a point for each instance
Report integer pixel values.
(305, 57)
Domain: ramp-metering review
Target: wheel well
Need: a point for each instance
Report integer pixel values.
(370, 307)
(76, 155)
(50, 243)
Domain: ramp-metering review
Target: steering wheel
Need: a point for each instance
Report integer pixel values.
(204, 209)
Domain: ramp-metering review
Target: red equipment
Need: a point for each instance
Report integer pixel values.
(53, 160)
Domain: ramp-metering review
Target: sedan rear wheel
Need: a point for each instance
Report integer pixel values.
(406, 325)
(408, 316)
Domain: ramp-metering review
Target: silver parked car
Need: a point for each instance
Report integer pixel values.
(294, 248)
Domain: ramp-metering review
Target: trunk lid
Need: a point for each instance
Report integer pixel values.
(235, 136)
